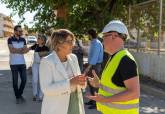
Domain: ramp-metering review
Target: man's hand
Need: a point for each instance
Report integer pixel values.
(95, 81)
(97, 98)
(14, 50)
(24, 50)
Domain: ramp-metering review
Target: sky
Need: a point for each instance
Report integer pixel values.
(28, 16)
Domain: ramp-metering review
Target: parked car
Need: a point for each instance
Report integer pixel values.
(31, 40)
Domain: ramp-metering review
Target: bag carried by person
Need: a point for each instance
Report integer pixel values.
(75, 104)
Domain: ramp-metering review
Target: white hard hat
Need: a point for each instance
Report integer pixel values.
(116, 26)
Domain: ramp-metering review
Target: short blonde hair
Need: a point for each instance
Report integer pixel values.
(59, 36)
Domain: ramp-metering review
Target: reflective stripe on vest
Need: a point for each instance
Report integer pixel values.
(121, 106)
(109, 90)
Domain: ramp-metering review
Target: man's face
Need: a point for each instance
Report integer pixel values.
(110, 40)
(19, 31)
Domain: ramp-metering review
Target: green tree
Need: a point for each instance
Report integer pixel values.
(81, 14)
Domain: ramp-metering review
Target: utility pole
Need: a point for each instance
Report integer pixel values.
(160, 26)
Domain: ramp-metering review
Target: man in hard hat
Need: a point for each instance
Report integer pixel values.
(119, 88)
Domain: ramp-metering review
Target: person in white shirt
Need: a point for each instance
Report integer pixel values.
(60, 77)
(17, 47)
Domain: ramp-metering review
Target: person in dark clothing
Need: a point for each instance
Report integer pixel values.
(106, 56)
(78, 51)
(95, 58)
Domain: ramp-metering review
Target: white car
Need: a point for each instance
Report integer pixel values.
(31, 40)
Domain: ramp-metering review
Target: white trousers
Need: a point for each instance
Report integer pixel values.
(35, 81)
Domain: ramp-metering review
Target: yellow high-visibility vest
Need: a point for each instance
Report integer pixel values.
(108, 89)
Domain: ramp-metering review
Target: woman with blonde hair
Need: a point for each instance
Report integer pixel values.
(60, 77)
(40, 50)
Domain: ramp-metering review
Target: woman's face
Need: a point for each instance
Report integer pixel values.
(67, 46)
(40, 41)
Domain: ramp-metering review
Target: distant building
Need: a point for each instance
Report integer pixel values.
(6, 26)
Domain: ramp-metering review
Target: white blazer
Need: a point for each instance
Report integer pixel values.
(55, 84)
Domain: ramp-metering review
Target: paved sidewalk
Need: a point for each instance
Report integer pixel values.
(150, 103)
(8, 105)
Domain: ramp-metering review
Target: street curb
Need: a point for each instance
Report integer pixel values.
(153, 91)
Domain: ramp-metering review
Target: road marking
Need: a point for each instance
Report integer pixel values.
(1, 74)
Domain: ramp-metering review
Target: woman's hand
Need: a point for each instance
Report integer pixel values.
(78, 80)
(95, 81)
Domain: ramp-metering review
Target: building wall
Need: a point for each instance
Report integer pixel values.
(151, 65)
(6, 26)
(1, 26)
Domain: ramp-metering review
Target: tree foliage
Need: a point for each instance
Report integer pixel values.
(81, 14)
(145, 17)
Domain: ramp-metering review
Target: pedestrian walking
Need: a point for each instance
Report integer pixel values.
(119, 88)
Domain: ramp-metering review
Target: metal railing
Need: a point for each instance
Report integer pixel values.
(147, 27)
